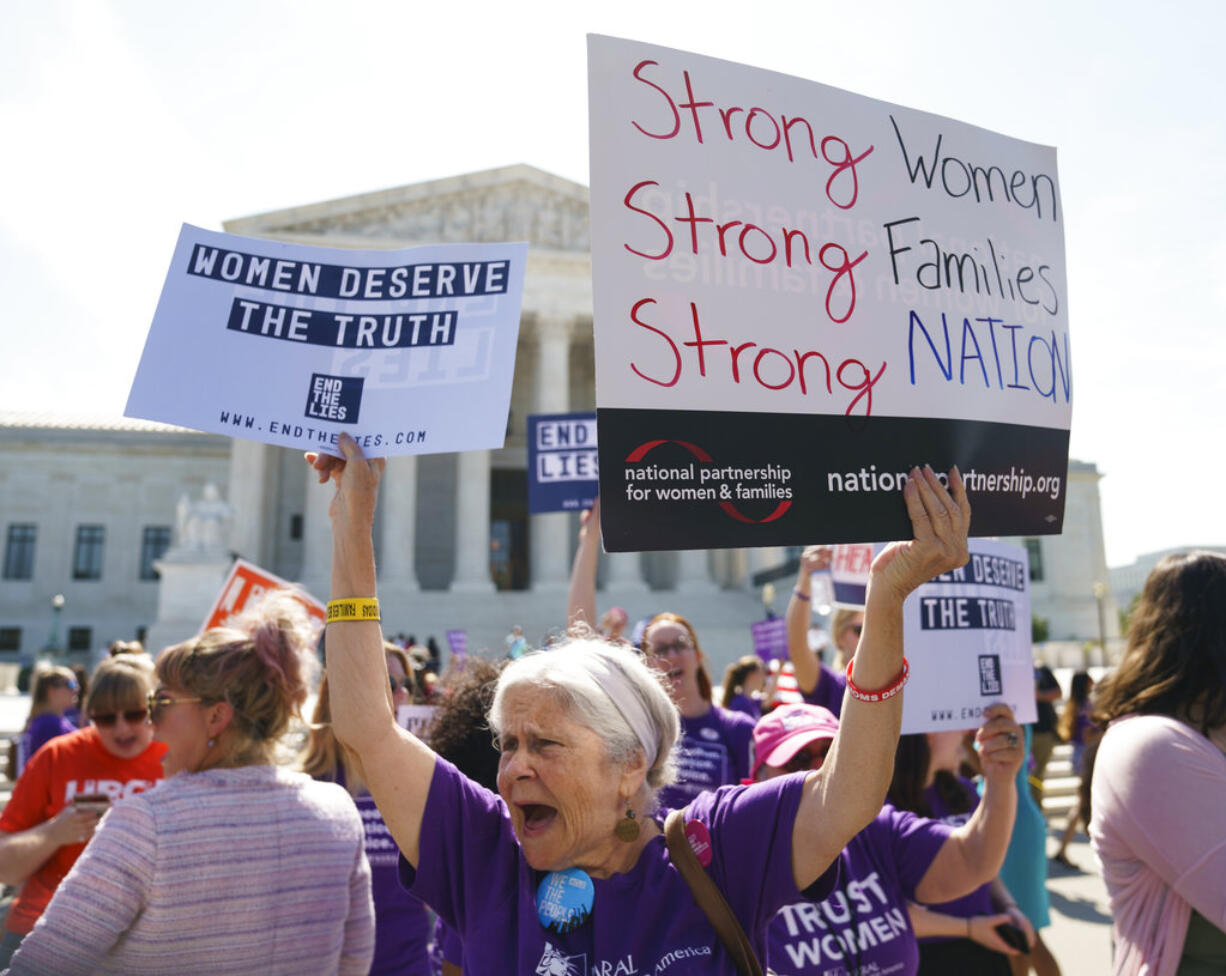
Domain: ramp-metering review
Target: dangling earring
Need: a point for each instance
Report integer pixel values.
(627, 829)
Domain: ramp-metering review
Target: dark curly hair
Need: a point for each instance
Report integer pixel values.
(1175, 663)
(460, 731)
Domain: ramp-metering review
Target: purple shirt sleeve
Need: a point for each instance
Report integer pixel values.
(915, 842)
(468, 855)
(751, 842)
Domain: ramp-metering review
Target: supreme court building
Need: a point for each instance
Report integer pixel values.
(455, 544)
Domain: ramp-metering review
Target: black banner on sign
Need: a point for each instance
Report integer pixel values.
(702, 480)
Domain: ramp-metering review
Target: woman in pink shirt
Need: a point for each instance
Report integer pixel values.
(1159, 787)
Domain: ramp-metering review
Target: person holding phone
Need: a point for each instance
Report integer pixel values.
(67, 786)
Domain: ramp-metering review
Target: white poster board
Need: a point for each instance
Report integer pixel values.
(409, 351)
(800, 293)
(967, 637)
(415, 718)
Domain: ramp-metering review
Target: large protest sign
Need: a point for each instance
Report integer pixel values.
(800, 293)
(562, 464)
(410, 352)
(967, 638)
(246, 585)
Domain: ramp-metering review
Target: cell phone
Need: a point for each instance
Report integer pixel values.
(1013, 937)
(95, 803)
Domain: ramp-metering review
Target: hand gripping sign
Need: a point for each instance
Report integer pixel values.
(800, 293)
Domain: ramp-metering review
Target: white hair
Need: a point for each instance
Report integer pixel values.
(610, 690)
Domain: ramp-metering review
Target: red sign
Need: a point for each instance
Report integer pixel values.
(246, 586)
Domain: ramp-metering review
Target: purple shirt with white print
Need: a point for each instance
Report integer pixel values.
(472, 871)
(714, 750)
(863, 927)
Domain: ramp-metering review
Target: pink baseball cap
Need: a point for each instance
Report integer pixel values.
(789, 728)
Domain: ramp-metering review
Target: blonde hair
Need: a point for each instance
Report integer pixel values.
(46, 678)
(119, 684)
(261, 665)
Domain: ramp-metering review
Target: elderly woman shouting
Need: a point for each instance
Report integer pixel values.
(564, 871)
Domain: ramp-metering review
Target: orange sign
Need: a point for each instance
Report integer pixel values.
(244, 588)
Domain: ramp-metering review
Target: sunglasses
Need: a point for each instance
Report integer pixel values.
(159, 703)
(133, 716)
(803, 761)
(397, 683)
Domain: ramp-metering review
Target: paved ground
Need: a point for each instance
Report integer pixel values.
(1080, 933)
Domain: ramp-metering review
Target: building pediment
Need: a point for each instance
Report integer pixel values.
(513, 203)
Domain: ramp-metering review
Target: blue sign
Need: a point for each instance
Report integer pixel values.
(562, 467)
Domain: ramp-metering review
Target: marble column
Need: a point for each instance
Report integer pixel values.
(624, 573)
(551, 532)
(472, 557)
(316, 574)
(252, 497)
(397, 568)
(694, 571)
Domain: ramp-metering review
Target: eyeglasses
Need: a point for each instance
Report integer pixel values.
(158, 703)
(679, 646)
(397, 683)
(133, 716)
(804, 760)
(70, 685)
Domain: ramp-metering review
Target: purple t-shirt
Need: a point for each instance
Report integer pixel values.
(402, 923)
(746, 705)
(979, 901)
(42, 729)
(473, 873)
(714, 751)
(829, 690)
(863, 927)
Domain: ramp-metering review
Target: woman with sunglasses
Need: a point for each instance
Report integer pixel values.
(54, 692)
(402, 923)
(42, 830)
(234, 864)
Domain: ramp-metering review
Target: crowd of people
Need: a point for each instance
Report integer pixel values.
(601, 807)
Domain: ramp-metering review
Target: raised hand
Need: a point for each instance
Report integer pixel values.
(814, 559)
(357, 481)
(1000, 743)
(940, 521)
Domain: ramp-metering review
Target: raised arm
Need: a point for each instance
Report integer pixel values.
(848, 791)
(396, 766)
(973, 854)
(581, 600)
(799, 616)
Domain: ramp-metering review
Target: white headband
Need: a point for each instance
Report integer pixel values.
(613, 682)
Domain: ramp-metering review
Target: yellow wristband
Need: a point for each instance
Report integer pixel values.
(356, 608)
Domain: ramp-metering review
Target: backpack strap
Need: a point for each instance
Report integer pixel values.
(708, 897)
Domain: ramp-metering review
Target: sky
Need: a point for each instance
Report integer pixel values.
(123, 120)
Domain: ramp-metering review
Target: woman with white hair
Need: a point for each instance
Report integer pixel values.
(564, 870)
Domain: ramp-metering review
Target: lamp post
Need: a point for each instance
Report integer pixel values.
(1100, 595)
(768, 600)
(53, 640)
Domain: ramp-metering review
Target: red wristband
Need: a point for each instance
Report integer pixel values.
(885, 694)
